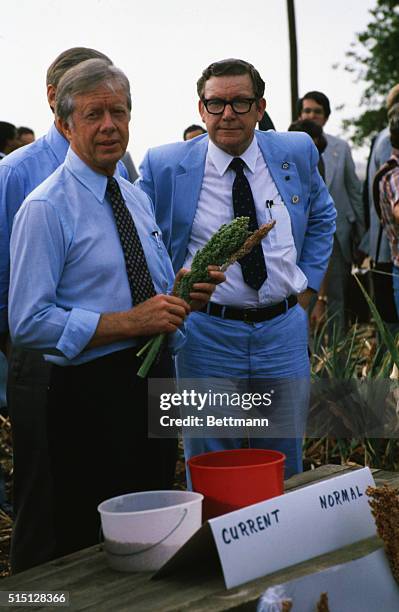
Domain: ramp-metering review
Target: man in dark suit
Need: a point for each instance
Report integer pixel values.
(345, 188)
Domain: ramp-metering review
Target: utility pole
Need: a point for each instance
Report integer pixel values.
(293, 57)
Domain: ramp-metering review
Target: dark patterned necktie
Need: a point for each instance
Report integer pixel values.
(253, 265)
(140, 281)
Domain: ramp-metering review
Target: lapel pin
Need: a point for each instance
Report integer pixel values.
(295, 199)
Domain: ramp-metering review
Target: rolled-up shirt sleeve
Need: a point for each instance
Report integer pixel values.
(38, 251)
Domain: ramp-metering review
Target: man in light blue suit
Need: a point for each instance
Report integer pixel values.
(254, 329)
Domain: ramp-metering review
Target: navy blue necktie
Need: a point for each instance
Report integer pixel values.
(253, 265)
(140, 281)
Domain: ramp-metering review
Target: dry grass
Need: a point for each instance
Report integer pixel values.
(5, 520)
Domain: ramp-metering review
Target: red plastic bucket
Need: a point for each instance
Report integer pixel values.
(233, 479)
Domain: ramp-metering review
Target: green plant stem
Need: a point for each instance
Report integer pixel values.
(145, 348)
(152, 348)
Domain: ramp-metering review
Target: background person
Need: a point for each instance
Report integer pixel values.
(8, 138)
(389, 198)
(192, 131)
(25, 135)
(8, 143)
(345, 189)
(315, 131)
(318, 306)
(375, 242)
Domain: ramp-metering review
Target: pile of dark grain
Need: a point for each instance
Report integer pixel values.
(384, 502)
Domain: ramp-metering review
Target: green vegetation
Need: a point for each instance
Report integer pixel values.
(374, 59)
(357, 369)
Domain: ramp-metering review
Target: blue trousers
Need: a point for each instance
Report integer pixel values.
(270, 354)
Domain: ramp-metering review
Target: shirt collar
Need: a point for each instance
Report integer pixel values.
(221, 160)
(58, 143)
(94, 181)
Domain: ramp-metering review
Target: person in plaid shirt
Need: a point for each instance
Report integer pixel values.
(389, 199)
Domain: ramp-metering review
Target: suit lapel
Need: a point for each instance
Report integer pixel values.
(276, 159)
(187, 188)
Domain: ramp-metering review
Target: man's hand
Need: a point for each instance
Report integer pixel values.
(159, 314)
(203, 291)
(358, 257)
(305, 297)
(318, 315)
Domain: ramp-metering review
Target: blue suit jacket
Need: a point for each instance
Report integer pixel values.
(172, 176)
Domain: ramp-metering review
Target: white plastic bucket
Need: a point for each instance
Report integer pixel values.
(144, 530)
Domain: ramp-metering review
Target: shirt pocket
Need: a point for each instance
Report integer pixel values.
(281, 234)
(159, 262)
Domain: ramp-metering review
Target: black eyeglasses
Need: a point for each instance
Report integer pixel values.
(216, 106)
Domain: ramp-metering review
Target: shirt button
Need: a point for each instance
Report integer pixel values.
(285, 166)
(295, 199)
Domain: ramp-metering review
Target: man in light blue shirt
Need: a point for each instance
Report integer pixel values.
(63, 317)
(84, 291)
(20, 173)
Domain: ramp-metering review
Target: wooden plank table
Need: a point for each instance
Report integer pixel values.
(92, 585)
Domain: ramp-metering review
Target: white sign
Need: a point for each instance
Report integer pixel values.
(293, 527)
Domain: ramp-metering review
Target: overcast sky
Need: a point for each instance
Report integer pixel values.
(163, 45)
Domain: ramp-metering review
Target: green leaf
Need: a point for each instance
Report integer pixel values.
(386, 336)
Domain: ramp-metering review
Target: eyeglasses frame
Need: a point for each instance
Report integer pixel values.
(230, 103)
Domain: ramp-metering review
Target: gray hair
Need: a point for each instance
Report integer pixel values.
(86, 77)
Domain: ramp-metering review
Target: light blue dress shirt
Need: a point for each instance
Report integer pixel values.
(20, 173)
(68, 267)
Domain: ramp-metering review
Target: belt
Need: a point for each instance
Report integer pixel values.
(250, 315)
